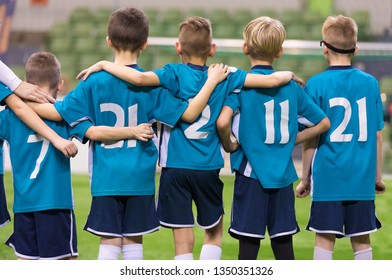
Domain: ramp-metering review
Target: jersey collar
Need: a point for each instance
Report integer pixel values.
(262, 67)
(132, 65)
(340, 67)
(198, 67)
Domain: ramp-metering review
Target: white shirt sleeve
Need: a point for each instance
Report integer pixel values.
(8, 77)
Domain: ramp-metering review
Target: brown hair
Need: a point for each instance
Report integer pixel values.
(128, 29)
(340, 31)
(43, 68)
(264, 37)
(195, 37)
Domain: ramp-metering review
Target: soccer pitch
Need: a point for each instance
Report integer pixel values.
(159, 245)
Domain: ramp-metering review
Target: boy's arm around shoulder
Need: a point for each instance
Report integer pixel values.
(216, 74)
(122, 72)
(30, 118)
(275, 79)
(45, 110)
(313, 131)
(142, 132)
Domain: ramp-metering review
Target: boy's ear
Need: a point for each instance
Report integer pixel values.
(178, 48)
(144, 46)
(60, 86)
(245, 49)
(212, 50)
(279, 54)
(109, 42)
(356, 50)
(325, 49)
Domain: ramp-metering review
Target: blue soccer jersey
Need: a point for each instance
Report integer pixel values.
(41, 173)
(4, 93)
(268, 126)
(124, 167)
(344, 165)
(196, 145)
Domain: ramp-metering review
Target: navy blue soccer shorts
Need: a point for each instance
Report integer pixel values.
(48, 234)
(343, 218)
(121, 216)
(256, 209)
(179, 188)
(4, 214)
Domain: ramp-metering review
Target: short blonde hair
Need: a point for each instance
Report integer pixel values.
(195, 36)
(264, 37)
(340, 31)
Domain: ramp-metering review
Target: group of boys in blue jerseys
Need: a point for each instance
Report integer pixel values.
(254, 116)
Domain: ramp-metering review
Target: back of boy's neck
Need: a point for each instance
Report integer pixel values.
(263, 62)
(339, 61)
(194, 61)
(125, 58)
(47, 88)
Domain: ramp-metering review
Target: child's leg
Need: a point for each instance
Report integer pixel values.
(325, 243)
(362, 247)
(184, 240)
(132, 248)
(248, 248)
(212, 247)
(282, 247)
(110, 248)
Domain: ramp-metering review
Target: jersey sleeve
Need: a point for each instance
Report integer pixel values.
(167, 78)
(4, 93)
(236, 79)
(309, 114)
(233, 101)
(77, 105)
(167, 108)
(79, 131)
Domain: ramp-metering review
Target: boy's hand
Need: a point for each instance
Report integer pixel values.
(143, 132)
(303, 189)
(217, 72)
(380, 187)
(33, 93)
(298, 80)
(68, 148)
(87, 72)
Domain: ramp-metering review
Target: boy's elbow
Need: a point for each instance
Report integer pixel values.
(222, 124)
(326, 124)
(92, 134)
(276, 82)
(140, 80)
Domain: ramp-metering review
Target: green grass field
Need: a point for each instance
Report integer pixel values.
(159, 245)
